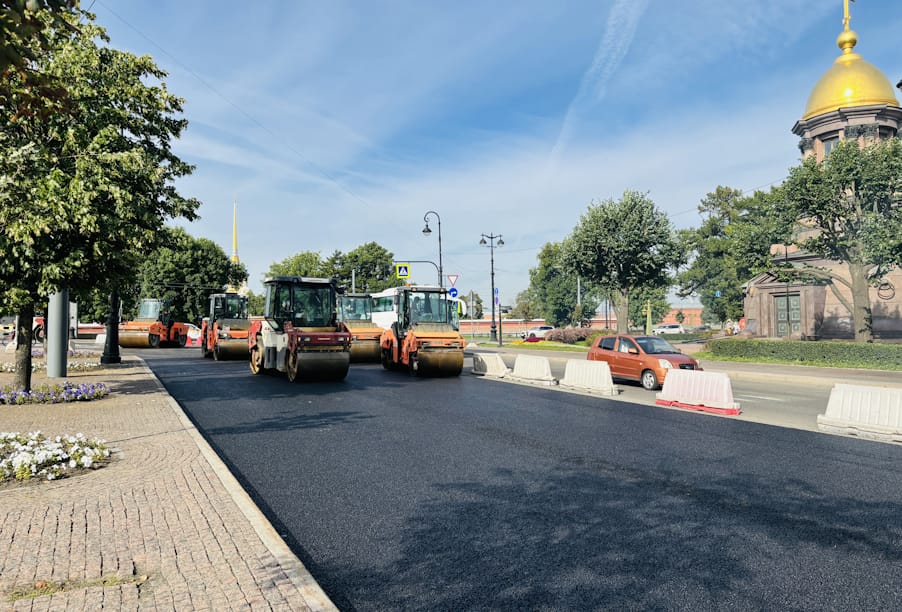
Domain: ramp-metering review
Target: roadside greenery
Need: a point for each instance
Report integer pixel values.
(87, 169)
(822, 353)
(623, 246)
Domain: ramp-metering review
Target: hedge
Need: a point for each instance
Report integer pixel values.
(820, 353)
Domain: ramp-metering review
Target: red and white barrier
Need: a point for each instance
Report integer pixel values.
(698, 390)
(867, 412)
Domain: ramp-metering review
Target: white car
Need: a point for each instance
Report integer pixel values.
(536, 332)
(670, 328)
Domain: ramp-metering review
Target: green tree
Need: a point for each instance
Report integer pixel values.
(184, 272)
(372, 266)
(849, 209)
(87, 188)
(731, 245)
(621, 247)
(305, 263)
(553, 286)
(659, 306)
(526, 305)
(474, 304)
(255, 304)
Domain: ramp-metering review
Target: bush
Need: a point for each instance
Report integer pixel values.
(569, 335)
(822, 353)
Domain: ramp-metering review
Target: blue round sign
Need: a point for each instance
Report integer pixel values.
(452, 292)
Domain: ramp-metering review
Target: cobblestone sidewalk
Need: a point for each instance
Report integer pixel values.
(163, 526)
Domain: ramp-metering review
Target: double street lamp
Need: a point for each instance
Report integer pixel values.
(491, 244)
(426, 232)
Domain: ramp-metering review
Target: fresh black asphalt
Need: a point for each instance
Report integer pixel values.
(462, 493)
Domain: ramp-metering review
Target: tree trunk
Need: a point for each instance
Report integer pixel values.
(622, 309)
(22, 380)
(862, 323)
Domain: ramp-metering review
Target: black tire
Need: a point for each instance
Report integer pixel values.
(217, 355)
(386, 359)
(183, 340)
(649, 380)
(153, 340)
(413, 366)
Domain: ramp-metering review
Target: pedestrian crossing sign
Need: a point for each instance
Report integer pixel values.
(402, 270)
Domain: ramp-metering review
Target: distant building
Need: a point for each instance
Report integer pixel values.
(852, 100)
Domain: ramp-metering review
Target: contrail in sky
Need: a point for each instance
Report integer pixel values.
(618, 36)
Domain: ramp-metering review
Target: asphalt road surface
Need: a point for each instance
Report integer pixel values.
(465, 493)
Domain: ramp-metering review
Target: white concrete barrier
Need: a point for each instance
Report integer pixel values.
(698, 390)
(533, 369)
(490, 364)
(868, 412)
(591, 376)
(100, 339)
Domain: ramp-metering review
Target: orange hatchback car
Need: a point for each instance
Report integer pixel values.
(644, 359)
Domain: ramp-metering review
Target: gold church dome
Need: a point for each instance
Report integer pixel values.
(850, 81)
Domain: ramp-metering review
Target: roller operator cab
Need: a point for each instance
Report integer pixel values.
(224, 331)
(153, 327)
(300, 333)
(421, 330)
(355, 310)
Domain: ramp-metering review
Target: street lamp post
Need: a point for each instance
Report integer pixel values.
(426, 232)
(491, 245)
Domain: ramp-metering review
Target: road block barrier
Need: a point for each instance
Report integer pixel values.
(490, 364)
(867, 412)
(533, 369)
(100, 339)
(698, 390)
(591, 376)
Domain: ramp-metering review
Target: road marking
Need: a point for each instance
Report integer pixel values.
(760, 397)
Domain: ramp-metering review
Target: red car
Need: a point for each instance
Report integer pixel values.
(644, 359)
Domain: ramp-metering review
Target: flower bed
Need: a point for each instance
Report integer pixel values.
(27, 456)
(53, 394)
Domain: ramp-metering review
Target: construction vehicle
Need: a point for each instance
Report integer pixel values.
(223, 334)
(355, 311)
(153, 327)
(300, 333)
(421, 332)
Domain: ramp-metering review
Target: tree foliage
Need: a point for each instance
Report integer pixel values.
(553, 287)
(621, 247)
(87, 184)
(657, 297)
(731, 246)
(184, 272)
(369, 266)
(372, 269)
(849, 209)
(305, 263)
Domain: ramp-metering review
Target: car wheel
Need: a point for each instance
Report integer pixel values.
(649, 380)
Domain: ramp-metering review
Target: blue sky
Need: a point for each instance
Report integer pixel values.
(339, 123)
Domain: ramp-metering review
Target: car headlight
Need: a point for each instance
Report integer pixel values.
(665, 364)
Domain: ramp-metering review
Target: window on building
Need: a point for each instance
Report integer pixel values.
(830, 144)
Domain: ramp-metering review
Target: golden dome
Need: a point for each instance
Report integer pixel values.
(850, 81)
